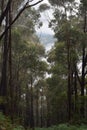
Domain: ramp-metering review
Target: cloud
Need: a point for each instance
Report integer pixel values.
(45, 29)
(46, 16)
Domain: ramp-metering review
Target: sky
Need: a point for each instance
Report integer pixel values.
(46, 16)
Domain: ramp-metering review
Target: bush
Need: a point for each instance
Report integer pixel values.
(5, 124)
(18, 128)
(65, 127)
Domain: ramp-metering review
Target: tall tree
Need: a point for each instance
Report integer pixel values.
(9, 14)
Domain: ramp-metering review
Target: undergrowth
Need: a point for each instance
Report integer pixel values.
(65, 127)
(5, 124)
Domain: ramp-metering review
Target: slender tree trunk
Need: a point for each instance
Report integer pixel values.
(41, 110)
(3, 84)
(27, 111)
(37, 108)
(83, 72)
(82, 83)
(11, 90)
(83, 67)
(69, 83)
(32, 106)
(17, 93)
(48, 114)
(75, 88)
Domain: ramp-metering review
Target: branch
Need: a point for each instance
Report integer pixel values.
(28, 6)
(17, 16)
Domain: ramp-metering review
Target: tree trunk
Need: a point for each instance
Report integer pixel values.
(83, 67)
(69, 82)
(3, 84)
(10, 67)
(27, 111)
(32, 107)
(37, 108)
(75, 88)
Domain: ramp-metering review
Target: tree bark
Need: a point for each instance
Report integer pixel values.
(82, 111)
(27, 111)
(11, 90)
(3, 84)
(32, 106)
(69, 82)
(37, 108)
(75, 88)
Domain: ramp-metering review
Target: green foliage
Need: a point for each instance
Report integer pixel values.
(5, 124)
(2, 117)
(65, 127)
(18, 128)
(44, 7)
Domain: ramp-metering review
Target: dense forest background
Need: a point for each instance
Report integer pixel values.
(40, 88)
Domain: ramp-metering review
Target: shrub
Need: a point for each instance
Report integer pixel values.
(5, 124)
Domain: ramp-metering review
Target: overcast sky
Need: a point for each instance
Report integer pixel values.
(46, 16)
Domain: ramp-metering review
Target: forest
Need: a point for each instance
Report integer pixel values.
(39, 89)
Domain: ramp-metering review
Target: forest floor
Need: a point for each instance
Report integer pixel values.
(59, 127)
(5, 124)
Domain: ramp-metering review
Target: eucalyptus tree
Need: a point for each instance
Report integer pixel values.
(10, 12)
(17, 8)
(27, 68)
(57, 84)
(36, 69)
(83, 21)
(41, 102)
(67, 27)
